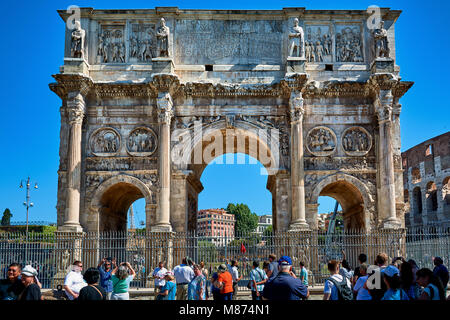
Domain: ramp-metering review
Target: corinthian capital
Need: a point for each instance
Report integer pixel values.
(296, 109)
(76, 108)
(165, 104)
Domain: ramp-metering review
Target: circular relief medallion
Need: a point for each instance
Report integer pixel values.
(104, 142)
(356, 141)
(321, 141)
(141, 142)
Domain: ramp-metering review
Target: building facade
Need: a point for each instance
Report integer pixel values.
(426, 179)
(149, 97)
(264, 222)
(215, 223)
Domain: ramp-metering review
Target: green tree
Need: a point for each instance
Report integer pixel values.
(246, 221)
(6, 219)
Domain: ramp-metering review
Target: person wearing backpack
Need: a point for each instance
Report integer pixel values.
(393, 284)
(337, 287)
(257, 279)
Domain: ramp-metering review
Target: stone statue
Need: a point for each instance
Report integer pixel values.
(296, 41)
(319, 51)
(162, 36)
(77, 45)
(381, 42)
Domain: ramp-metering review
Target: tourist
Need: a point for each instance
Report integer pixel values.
(415, 268)
(93, 291)
(215, 292)
(303, 274)
(273, 267)
(105, 267)
(381, 263)
(258, 278)
(283, 286)
(362, 258)
(431, 284)
(225, 283)
(205, 274)
(393, 283)
(345, 268)
(183, 275)
(197, 286)
(233, 269)
(359, 291)
(74, 281)
(12, 286)
(168, 291)
(159, 275)
(407, 281)
(266, 267)
(121, 281)
(441, 271)
(32, 292)
(337, 286)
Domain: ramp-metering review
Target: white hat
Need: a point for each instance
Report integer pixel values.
(29, 271)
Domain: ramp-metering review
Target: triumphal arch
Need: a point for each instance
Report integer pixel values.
(150, 97)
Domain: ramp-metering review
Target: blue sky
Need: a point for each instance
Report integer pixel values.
(32, 36)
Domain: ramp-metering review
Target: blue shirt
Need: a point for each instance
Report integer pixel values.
(435, 293)
(304, 274)
(105, 279)
(398, 294)
(285, 287)
(195, 286)
(258, 275)
(172, 287)
(213, 287)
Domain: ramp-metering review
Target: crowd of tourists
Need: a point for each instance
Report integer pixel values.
(276, 279)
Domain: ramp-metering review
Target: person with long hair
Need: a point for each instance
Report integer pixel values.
(121, 278)
(433, 288)
(393, 283)
(407, 281)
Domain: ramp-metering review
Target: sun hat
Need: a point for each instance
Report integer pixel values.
(222, 267)
(285, 261)
(391, 271)
(29, 271)
(168, 273)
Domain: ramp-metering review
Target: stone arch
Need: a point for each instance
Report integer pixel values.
(111, 200)
(415, 175)
(417, 200)
(353, 196)
(431, 196)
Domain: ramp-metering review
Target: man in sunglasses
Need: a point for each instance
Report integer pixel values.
(105, 267)
(74, 281)
(12, 286)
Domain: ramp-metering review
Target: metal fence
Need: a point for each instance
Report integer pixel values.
(53, 254)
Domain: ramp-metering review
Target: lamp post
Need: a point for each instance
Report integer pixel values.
(28, 205)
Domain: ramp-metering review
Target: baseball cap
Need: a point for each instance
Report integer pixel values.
(29, 271)
(168, 273)
(285, 260)
(391, 271)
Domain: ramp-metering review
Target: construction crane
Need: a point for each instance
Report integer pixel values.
(330, 251)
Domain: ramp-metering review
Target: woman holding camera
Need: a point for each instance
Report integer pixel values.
(121, 277)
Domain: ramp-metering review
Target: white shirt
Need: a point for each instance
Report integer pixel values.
(159, 273)
(234, 273)
(75, 282)
(183, 274)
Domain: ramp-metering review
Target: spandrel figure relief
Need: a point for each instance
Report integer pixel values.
(142, 42)
(105, 142)
(321, 141)
(356, 141)
(111, 45)
(141, 142)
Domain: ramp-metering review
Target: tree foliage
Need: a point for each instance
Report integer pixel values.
(6, 219)
(246, 221)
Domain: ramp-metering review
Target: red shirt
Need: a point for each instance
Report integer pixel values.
(227, 281)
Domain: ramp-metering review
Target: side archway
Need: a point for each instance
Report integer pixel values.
(353, 196)
(112, 199)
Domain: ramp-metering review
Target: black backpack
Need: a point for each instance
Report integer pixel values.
(344, 291)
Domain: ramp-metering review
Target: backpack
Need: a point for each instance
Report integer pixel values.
(344, 291)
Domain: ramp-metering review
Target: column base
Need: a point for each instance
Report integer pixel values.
(382, 65)
(391, 223)
(75, 66)
(295, 65)
(70, 228)
(161, 228)
(299, 226)
(163, 65)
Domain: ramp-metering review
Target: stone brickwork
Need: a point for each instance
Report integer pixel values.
(312, 94)
(426, 180)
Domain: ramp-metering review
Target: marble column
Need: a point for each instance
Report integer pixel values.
(385, 161)
(76, 111)
(296, 110)
(165, 104)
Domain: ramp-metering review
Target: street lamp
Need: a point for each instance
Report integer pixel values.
(28, 205)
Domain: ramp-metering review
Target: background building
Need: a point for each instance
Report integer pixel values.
(216, 223)
(426, 178)
(264, 221)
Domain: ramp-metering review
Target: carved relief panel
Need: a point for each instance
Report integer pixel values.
(111, 44)
(356, 141)
(142, 42)
(142, 142)
(349, 44)
(104, 142)
(321, 141)
(318, 44)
